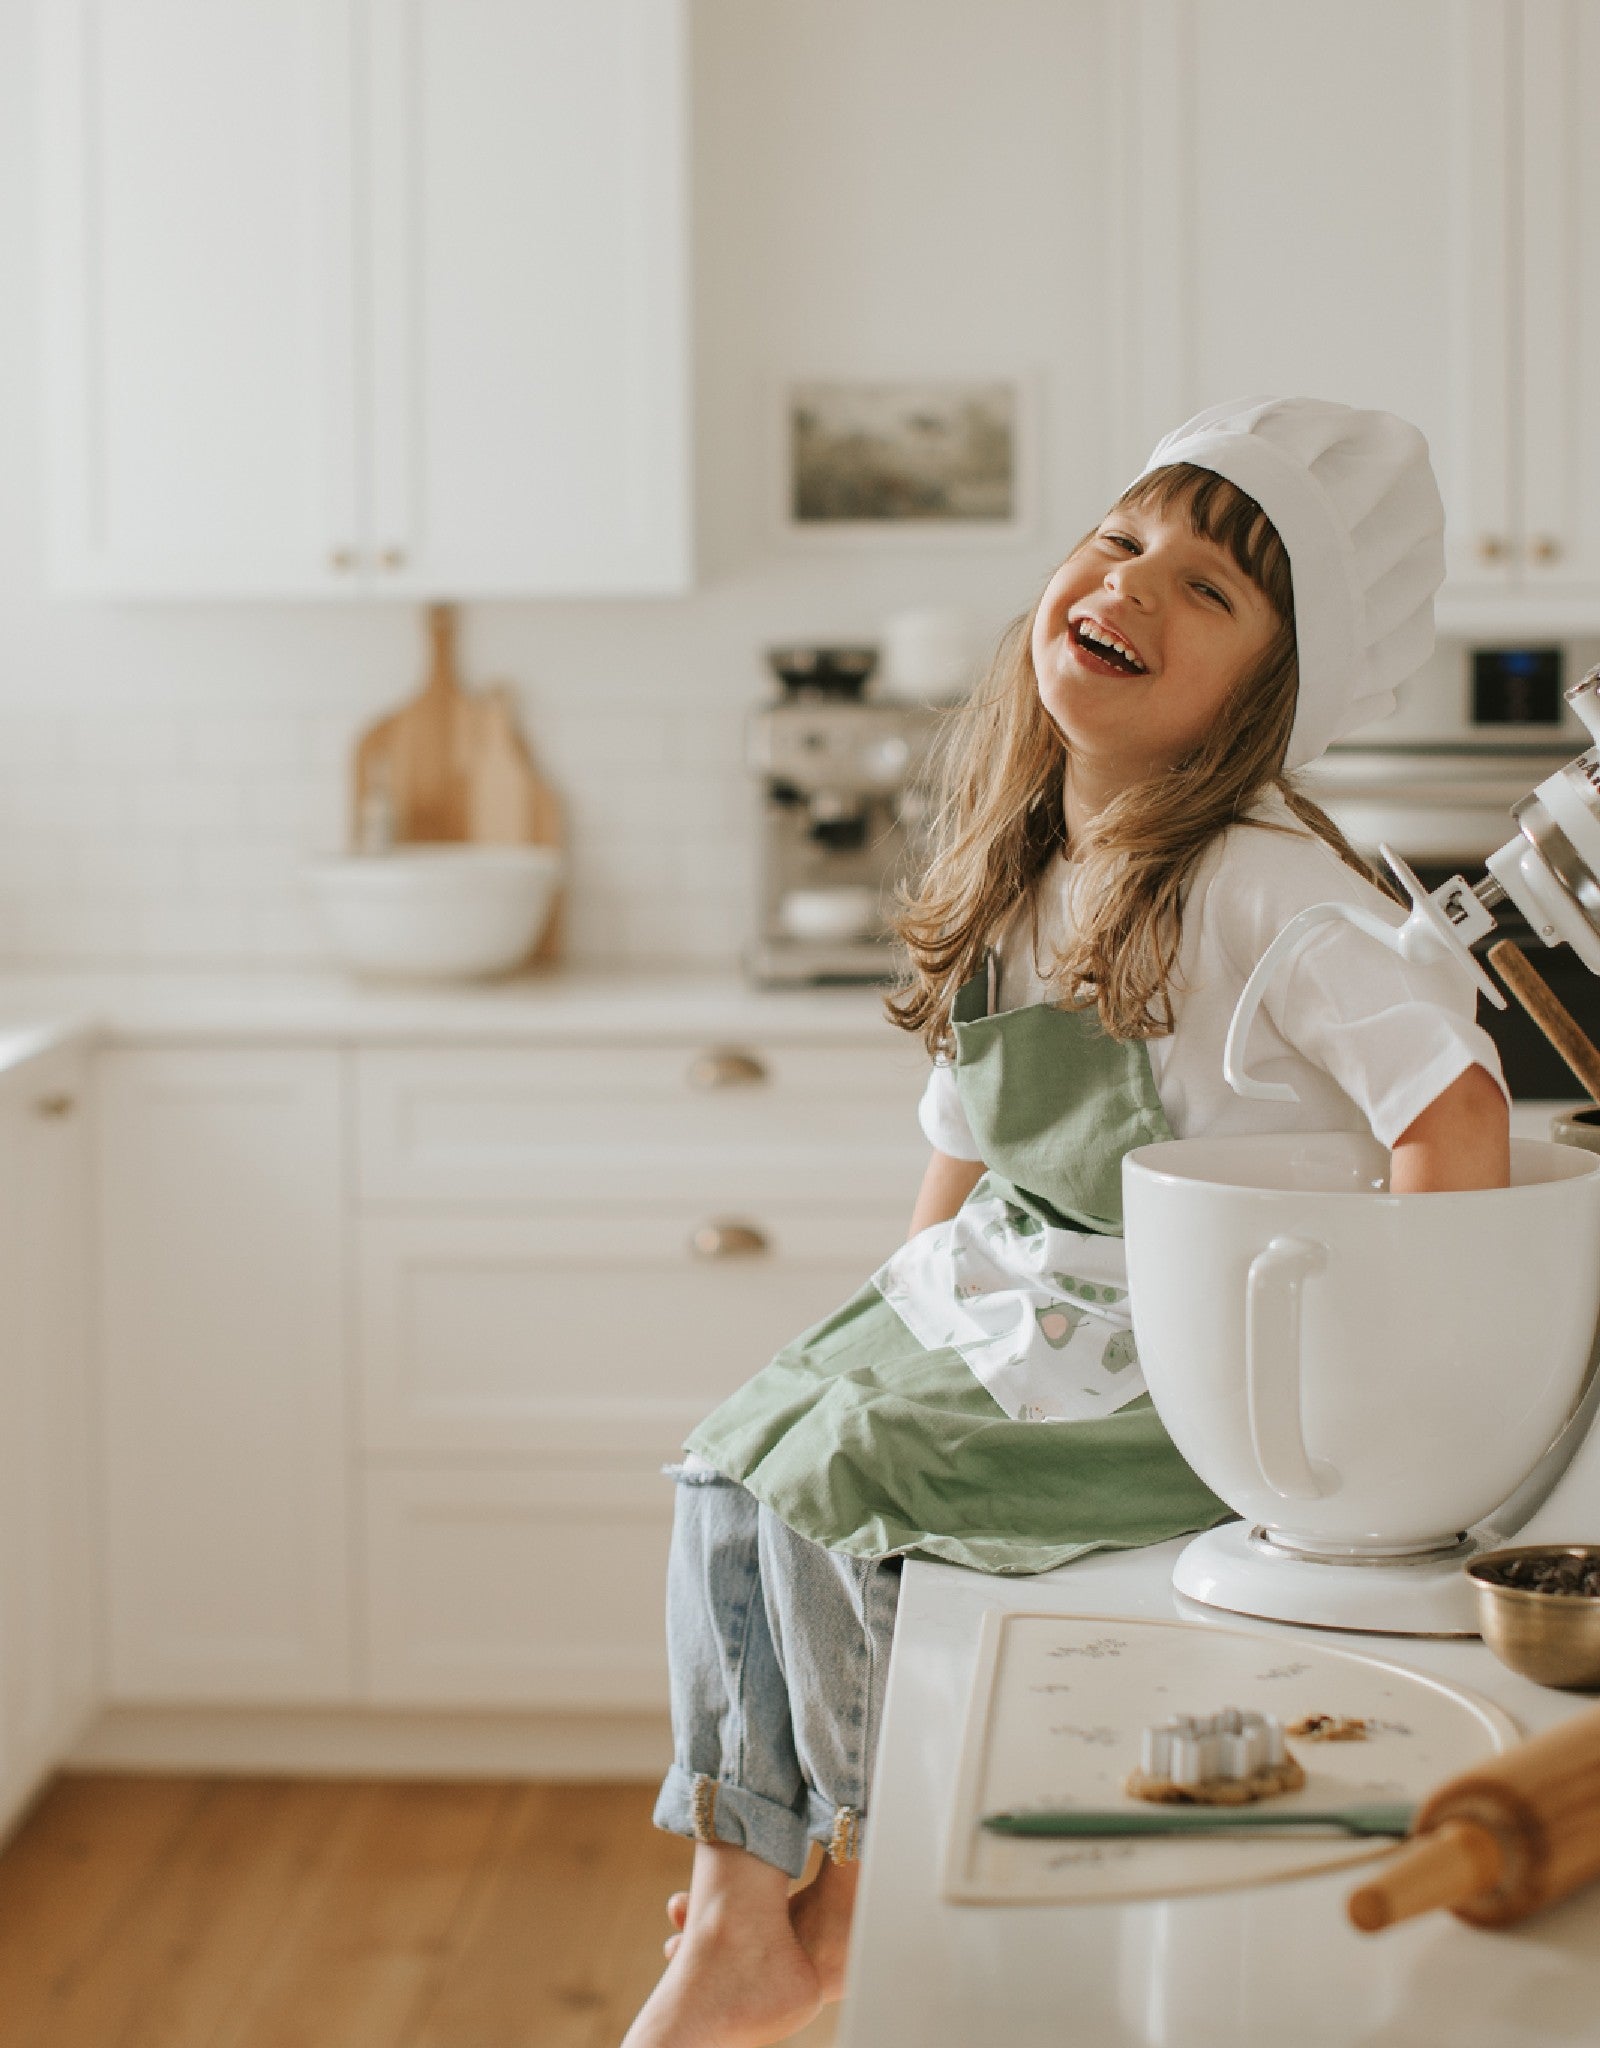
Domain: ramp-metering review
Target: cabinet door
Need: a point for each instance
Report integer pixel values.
(605, 1334)
(530, 279)
(198, 205)
(599, 1123)
(47, 1591)
(516, 1588)
(1559, 299)
(1354, 245)
(221, 1342)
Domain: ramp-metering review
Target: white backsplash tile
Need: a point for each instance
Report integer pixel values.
(176, 837)
(123, 744)
(56, 807)
(200, 806)
(247, 745)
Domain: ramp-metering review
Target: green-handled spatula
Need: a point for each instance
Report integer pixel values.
(1202, 1820)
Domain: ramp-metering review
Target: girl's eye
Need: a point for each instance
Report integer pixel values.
(1122, 540)
(1211, 591)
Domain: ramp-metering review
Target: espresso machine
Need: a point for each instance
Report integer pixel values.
(843, 810)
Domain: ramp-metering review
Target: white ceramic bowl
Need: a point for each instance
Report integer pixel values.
(1356, 1370)
(844, 913)
(436, 912)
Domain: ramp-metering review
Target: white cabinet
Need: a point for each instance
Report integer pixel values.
(222, 1352)
(604, 1123)
(601, 1332)
(1555, 301)
(389, 1431)
(200, 294)
(366, 296)
(1393, 206)
(519, 1586)
(530, 278)
(568, 1255)
(48, 1676)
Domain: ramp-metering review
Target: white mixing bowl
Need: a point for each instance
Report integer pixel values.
(436, 912)
(1351, 1369)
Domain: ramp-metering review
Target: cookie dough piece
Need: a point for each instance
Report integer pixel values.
(1265, 1783)
(1224, 1759)
(1329, 1728)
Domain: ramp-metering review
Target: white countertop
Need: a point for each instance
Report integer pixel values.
(242, 1007)
(1277, 1967)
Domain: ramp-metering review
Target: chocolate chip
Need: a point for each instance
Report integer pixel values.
(1557, 1572)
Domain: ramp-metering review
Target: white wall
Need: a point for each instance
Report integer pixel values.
(881, 187)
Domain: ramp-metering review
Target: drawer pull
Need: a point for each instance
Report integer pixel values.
(54, 1105)
(727, 1241)
(724, 1068)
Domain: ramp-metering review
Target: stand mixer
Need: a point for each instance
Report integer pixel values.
(1382, 1386)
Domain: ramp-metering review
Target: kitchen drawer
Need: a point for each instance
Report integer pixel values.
(603, 1334)
(593, 1123)
(516, 1588)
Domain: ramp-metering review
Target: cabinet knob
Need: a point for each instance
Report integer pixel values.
(392, 558)
(342, 559)
(54, 1105)
(1491, 547)
(1544, 547)
(727, 1241)
(724, 1067)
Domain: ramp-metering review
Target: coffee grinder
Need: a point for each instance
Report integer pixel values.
(842, 817)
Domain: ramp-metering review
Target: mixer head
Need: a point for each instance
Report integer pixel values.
(1550, 870)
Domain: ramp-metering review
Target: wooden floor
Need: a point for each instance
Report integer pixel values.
(179, 1912)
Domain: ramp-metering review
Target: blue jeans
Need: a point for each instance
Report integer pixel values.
(778, 1652)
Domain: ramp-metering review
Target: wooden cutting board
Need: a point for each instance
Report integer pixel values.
(421, 752)
(455, 767)
(509, 803)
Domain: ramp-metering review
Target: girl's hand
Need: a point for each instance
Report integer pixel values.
(1461, 1140)
(945, 1186)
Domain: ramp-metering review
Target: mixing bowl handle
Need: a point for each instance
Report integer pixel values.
(1272, 1368)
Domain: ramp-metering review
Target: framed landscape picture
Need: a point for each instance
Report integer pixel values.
(906, 459)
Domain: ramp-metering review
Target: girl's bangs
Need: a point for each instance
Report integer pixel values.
(1218, 511)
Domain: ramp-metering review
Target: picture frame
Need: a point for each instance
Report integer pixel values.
(905, 460)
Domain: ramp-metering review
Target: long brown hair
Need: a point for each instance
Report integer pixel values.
(1000, 816)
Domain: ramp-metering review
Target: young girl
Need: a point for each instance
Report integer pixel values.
(1118, 846)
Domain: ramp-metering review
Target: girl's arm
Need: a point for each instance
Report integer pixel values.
(945, 1186)
(1461, 1140)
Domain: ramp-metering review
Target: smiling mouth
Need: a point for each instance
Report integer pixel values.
(1104, 648)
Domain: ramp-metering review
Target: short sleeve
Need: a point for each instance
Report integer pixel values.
(1392, 1034)
(943, 1120)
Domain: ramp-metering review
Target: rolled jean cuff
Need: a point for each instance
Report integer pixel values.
(712, 1810)
(837, 1828)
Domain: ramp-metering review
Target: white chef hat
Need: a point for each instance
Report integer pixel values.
(1353, 497)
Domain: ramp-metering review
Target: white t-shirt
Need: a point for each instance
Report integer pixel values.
(1366, 1040)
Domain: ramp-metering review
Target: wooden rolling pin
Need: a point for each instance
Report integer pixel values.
(1498, 1842)
(1551, 1015)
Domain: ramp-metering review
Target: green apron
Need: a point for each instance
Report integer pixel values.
(862, 1439)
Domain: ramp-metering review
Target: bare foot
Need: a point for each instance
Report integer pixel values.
(739, 1977)
(821, 1916)
(677, 1913)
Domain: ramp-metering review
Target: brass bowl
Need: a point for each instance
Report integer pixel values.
(1552, 1638)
